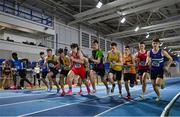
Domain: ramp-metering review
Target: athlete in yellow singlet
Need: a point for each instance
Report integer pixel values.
(115, 73)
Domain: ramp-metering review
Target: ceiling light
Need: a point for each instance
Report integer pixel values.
(137, 28)
(161, 44)
(123, 20)
(99, 4)
(165, 47)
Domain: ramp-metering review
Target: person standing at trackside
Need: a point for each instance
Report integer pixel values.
(19, 68)
(96, 65)
(129, 70)
(64, 63)
(7, 72)
(77, 68)
(37, 75)
(155, 58)
(43, 68)
(52, 62)
(143, 69)
(115, 73)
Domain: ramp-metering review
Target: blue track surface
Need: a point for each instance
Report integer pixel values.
(42, 103)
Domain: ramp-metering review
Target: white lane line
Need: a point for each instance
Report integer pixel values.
(95, 105)
(68, 104)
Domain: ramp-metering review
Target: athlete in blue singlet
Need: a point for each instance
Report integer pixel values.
(155, 58)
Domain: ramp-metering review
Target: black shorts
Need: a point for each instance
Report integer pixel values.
(141, 71)
(55, 72)
(22, 73)
(100, 72)
(157, 74)
(129, 76)
(64, 72)
(118, 74)
(38, 75)
(44, 74)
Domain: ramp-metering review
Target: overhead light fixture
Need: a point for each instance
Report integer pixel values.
(161, 44)
(178, 55)
(123, 20)
(165, 47)
(172, 52)
(147, 36)
(120, 13)
(169, 50)
(99, 4)
(136, 29)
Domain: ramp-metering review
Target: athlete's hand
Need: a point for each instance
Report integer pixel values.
(166, 69)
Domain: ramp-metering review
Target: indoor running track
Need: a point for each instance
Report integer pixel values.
(42, 103)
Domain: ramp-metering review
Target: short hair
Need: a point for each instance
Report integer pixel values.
(74, 45)
(113, 44)
(49, 50)
(14, 54)
(96, 41)
(156, 40)
(127, 46)
(41, 53)
(60, 50)
(142, 42)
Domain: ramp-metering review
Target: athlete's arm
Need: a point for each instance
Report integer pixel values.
(136, 57)
(148, 59)
(81, 60)
(169, 57)
(119, 60)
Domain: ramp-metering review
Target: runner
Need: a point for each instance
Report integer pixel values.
(129, 70)
(44, 69)
(64, 68)
(77, 61)
(52, 62)
(19, 69)
(143, 69)
(96, 65)
(115, 73)
(155, 58)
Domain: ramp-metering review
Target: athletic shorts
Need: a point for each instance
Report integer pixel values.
(100, 72)
(157, 73)
(118, 74)
(141, 71)
(55, 72)
(79, 71)
(129, 76)
(64, 72)
(44, 74)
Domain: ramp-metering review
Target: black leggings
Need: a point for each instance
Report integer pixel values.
(22, 74)
(37, 76)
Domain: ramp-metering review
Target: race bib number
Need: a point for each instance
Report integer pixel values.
(77, 65)
(51, 65)
(142, 63)
(155, 64)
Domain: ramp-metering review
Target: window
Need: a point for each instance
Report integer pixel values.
(108, 45)
(85, 40)
(92, 39)
(102, 44)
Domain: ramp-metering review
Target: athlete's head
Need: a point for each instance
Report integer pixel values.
(49, 52)
(14, 55)
(142, 45)
(74, 48)
(42, 54)
(61, 52)
(113, 46)
(155, 43)
(95, 44)
(127, 50)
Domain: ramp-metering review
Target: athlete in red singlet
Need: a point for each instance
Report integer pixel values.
(77, 62)
(142, 68)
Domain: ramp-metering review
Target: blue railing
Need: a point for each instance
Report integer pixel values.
(17, 10)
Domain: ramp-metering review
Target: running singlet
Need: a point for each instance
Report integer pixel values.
(142, 57)
(43, 66)
(98, 54)
(51, 61)
(64, 62)
(114, 58)
(157, 60)
(7, 70)
(17, 64)
(128, 60)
